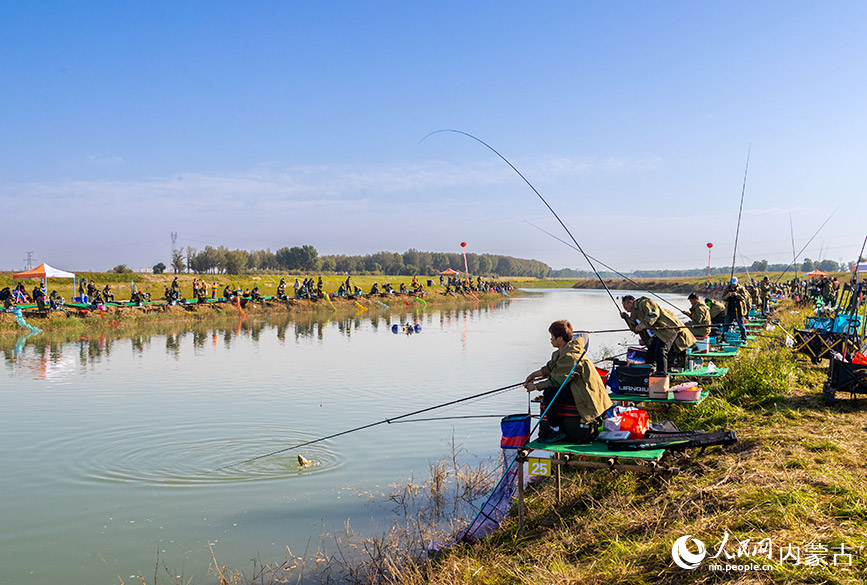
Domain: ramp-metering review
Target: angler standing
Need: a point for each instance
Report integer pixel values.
(765, 294)
(667, 333)
(735, 298)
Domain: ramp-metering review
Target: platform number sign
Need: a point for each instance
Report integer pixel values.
(538, 466)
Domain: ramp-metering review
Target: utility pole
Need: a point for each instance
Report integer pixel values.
(29, 260)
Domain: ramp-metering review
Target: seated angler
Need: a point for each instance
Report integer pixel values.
(39, 297)
(227, 293)
(281, 289)
(6, 297)
(669, 338)
(107, 294)
(699, 317)
(254, 294)
(717, 311)
(55, 301)
(374, 290)
(570, 369)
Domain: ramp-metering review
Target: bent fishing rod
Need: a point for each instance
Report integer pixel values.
(608, 267)
(369, 425)
(551, 209)
(791, 264)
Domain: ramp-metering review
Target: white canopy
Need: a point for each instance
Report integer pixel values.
(43, 271)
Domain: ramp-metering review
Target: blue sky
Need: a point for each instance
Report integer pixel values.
(270, 124)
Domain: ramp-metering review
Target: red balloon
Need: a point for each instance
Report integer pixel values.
(463, 244)
(709, 245)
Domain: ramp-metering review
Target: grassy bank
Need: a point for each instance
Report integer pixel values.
(147, 316)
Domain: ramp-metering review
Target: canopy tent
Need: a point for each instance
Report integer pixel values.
(860, 267)
(816, 272)
(43, 271)
(449, 272)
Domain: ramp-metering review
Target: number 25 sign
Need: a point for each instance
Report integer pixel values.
(538, 466)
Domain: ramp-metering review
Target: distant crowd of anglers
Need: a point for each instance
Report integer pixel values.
(90, 295)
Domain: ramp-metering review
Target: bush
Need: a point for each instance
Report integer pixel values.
(121, 269)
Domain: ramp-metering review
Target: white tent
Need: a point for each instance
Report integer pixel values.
(44, 272)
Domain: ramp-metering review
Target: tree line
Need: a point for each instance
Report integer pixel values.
(307, 259)
(413, 262)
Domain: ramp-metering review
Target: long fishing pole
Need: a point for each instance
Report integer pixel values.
(369, 425)
(606, 266)
(807, 244)
(792, 231)
(740, 211)
(492, 149)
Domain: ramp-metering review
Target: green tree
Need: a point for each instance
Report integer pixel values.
(177, 261)
(236, 261)
(121, 269)
(159, 268)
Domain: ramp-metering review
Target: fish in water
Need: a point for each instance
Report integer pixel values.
(303, 461)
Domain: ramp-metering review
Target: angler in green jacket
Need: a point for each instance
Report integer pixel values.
(735, 298)
(699, 315)
(765, 294)
(717, 311)
(585, 387)
(668, 334)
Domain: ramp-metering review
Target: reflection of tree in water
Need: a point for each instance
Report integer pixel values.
(173, 345)
(200, 337)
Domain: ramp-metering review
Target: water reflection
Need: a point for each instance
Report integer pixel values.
(40, 352)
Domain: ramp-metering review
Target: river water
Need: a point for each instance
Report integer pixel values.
(113, 448)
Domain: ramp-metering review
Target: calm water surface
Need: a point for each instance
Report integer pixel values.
(110, 446)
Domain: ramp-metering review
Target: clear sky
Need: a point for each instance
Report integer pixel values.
(270, 124)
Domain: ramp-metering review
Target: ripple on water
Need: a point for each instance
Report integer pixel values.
(196, 454)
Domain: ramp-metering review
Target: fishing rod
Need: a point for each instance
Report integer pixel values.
(740, 210)
(608, 267)
(397, 422)
(492, 149)
(807, 244)
(369, 425)
(792, 231)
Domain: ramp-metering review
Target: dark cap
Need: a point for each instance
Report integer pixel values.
(692, 296)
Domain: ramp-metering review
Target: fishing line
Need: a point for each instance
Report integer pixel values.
(807, 244)
(492, 149)
(606, 266)
(740, 210)
(369, 425)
